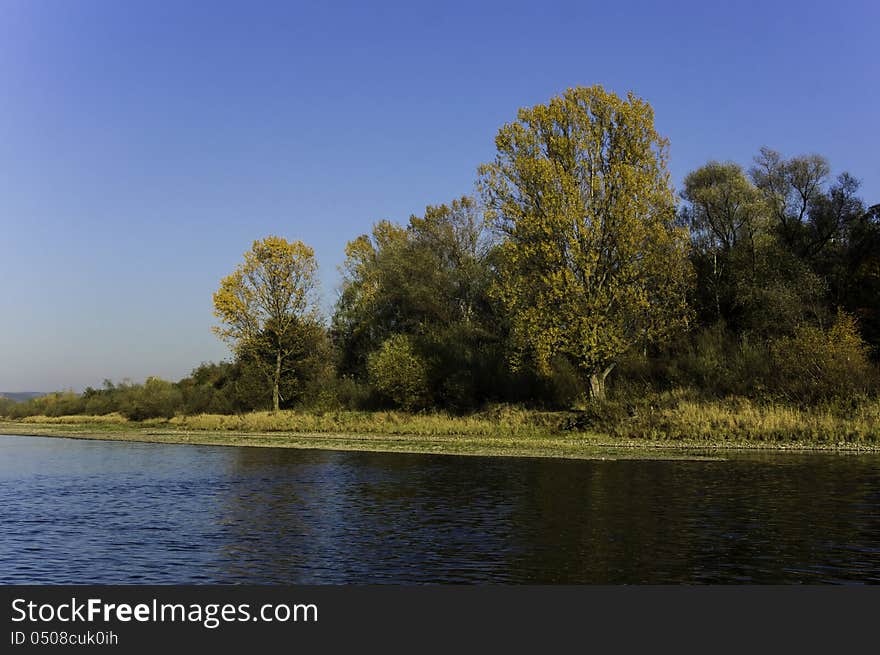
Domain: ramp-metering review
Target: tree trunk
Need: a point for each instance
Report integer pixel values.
(716, 285)
(276, 383)
(597, 383)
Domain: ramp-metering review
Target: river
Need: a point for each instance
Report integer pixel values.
(78, 511)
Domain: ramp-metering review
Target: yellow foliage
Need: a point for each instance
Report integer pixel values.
(594, 262)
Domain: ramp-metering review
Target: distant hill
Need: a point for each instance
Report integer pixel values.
(21, 396)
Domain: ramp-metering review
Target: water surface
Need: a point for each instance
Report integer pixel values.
(74, 511)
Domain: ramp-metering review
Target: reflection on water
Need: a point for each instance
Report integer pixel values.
(101, 512)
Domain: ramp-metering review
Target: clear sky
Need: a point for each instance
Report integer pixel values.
(145, 145)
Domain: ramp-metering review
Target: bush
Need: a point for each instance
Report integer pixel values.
(712, 359)
(565, 385)
(346, 392)
(6, 406)
(399, 373)
(816, 365)
(156, 398)
(59, 403)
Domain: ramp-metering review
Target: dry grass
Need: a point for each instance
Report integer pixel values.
(105, 419)
(500, 420)
(740, 419)
(674, 420)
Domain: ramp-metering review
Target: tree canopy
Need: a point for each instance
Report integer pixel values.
(267, 305)
(575, 267)
(593, 259)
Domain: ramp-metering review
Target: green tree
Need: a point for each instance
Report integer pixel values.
(398, 372)
(859, 278)
(428, 280)
(307, 360)
(791, 189)
(368, 310)
(267, 303)
(725, 213)
(593, 261)
(819, 228)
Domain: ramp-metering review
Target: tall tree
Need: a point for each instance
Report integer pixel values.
(428, 280)
(725, 212)
(368, 311)
(791, 188)
(859, 281)
(268, 303)
(820, 226)
(594, 262)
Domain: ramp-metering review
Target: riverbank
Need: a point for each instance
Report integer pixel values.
(581, 447)
(681, 429)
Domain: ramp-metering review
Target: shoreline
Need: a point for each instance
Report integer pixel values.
(579, 445)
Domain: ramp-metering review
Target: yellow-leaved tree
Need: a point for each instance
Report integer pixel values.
(593, 262)
(268, 304)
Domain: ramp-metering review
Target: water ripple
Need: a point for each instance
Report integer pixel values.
(100, 512)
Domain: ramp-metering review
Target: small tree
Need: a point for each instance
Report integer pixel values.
(398, 372)
(266, 302)
(593, 262)
(818, 365)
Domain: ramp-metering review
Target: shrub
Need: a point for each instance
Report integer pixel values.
(712, 359)
(59, 403)
(817, 365)
(6, 406)
(350, 393)
(566, 384)
(156, 398)
(399, 373)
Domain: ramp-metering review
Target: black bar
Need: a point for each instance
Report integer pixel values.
(410, 619)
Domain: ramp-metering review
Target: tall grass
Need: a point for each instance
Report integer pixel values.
(672, 416)
(745, 420)
(112, 419)
(507, 420)
(106, 419)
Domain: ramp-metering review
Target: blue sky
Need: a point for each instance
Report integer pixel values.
(145, 145)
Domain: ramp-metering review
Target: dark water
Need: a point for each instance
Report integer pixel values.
(102, 512)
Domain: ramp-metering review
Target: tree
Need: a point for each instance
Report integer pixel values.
(398, 372)
(428, 280)
(593, 262)
(725, 213)
(266, 302)
(791, 188)
(367, 311)
(859, 280)
(820, 228)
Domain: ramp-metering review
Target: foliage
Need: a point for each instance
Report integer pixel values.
(60, 403)
(821, 365)
(6, 406)
(593, 263)
(714, 360)
(724, 304)
(398, 372)
(429, 281)
(267, 307)
(855, 281)
(155, 398)
(727, 217)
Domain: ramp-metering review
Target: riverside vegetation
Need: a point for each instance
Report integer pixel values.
(576, 301)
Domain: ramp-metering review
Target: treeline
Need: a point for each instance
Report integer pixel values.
(575, 269)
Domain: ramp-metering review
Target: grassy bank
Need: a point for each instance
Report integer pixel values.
(666, 426)
(579, 447)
